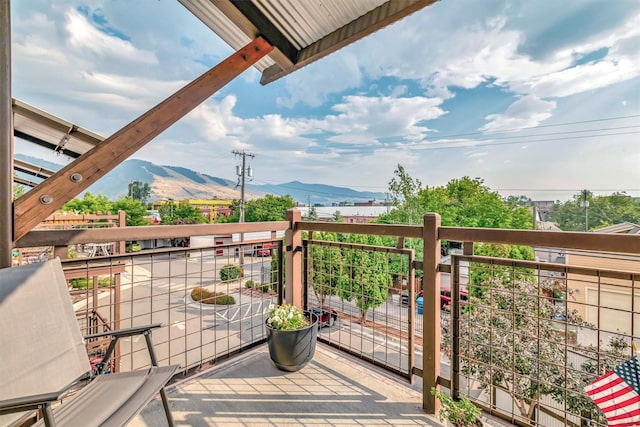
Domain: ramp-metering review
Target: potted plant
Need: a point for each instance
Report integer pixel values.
(459, 413)
(291, 336)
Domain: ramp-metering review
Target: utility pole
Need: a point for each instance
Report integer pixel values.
(585, 205)
(242, 172)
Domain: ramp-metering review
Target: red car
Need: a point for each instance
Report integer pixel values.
(445, 298)
(327, 316)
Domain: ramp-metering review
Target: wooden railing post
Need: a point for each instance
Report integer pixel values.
(431, 312)
(6, 139)
(293, 293)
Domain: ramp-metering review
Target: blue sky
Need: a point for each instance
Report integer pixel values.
(537, 98)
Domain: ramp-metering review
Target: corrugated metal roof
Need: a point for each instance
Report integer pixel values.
(38, 126)
(301, 31)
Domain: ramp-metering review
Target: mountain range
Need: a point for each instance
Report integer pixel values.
(179, 183)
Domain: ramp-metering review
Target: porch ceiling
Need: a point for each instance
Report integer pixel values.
(301, 31)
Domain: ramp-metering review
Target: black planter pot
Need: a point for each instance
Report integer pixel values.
(292, 350)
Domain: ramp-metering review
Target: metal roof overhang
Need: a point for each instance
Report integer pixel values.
(44, 129)
(301, 31)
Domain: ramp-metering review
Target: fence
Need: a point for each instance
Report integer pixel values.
(122, 291)
(532, 335)
(363, 285)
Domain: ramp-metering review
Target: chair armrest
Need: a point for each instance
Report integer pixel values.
(25, 403)
(127, 332)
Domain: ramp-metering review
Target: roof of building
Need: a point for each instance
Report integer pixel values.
(622, 228)
(301, 31)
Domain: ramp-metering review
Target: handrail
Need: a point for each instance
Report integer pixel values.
(67, 237)
(603, 242)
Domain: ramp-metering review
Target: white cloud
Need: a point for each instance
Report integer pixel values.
(84, 36)
(313, 83)
(526, 112)
(376, 103)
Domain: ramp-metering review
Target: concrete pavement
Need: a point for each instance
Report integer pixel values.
(248, 390)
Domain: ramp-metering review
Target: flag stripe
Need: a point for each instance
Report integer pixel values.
(616, 387)
(603, 383)
(628, 421)
(621, 406)
(625, 415)
(617, 394)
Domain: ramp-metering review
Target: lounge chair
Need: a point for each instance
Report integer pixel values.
(43, 357)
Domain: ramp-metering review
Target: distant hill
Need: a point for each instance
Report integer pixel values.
(320, 194)
(181, 183)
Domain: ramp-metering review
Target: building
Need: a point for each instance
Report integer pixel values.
(349, 214)
(611, 304)
(210, 208)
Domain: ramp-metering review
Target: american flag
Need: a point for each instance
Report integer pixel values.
(617, 394)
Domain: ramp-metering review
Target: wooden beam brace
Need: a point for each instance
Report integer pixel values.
(252, 22)
(53, 193)
(374, 20)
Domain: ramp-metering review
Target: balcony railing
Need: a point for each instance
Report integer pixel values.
(565, 307)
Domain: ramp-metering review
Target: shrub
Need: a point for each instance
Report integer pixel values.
(461, 412)
(229, 272)
(207, 297)
(200, 294)
(87, 283)
(222, 299)
(249, 284)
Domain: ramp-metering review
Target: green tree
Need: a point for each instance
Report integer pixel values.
(18, 190)
(337, 217)
(268, 208)
(517, 200)
(403, 187)
(134, 210)
(498, 349)
(463, 202)
(139, 190)
(312, 215)
(404, 193)
(89, 204)
(326, 269)
(172, 213)
(602, 211)
(482, 273)
(366, 277)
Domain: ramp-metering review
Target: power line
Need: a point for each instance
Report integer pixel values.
(541, 126)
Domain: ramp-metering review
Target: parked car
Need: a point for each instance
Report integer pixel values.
(445, 297)
(327, 316)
